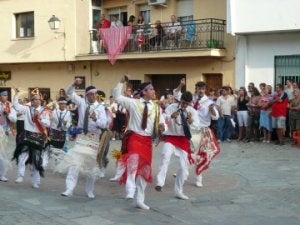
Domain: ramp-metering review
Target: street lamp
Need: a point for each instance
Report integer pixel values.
(54, 23)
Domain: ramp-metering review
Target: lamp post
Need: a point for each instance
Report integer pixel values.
(54, 23)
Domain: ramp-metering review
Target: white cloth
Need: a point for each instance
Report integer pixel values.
(203, 112)
(113, 107)
(136, 108)
(175, 125)
(64, 115)
(35, 175)
(226, 104)
(173, 27)
(115, 24)
(182, 172)
(96, 107)
(29, 125)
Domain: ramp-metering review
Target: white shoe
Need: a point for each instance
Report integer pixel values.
(36, 186)
(141, 205)
(182, 196)
(67, 193)
(3, 178)
(90, 195)
(19, 179)
(129, 196)
(199, 184)
(113, 179)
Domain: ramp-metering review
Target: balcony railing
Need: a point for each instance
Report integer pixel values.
(196, 34)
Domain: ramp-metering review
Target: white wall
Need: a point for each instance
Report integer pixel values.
(256, 55)
(247, 16)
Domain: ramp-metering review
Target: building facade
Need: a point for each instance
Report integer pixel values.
(33, 55)
(267, 40)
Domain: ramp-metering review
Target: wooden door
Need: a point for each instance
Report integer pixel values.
(162, 82)
(213, 80)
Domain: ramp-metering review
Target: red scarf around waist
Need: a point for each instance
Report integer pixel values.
(181, 142)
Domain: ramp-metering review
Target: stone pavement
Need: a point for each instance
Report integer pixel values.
(247, 184)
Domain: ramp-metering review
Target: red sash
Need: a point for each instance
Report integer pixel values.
(183, 143)
(142, 146)
(38, 124)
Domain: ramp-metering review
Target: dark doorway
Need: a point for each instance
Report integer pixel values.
(213, 80)
(164, 82)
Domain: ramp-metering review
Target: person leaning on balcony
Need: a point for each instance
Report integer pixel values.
(159, 34)
(102, 24)
(173, 30)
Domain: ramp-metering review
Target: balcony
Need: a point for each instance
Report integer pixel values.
(197, 38)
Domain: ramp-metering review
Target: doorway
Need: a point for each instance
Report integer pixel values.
(213, 80)
(165, 82)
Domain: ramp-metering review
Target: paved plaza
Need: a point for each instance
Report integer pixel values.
(247, 184)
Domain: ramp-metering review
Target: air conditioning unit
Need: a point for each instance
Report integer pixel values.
(157, 2)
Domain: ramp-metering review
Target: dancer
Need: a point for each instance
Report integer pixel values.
(35, 138)
(82, 157)
(137, 158)
(205, 144)
(177, 141)
(7, 116)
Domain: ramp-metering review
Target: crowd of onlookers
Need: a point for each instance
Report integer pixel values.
(145, 34)
(258, 113)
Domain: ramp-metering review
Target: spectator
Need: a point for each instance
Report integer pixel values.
(226, 103)
(254, 114)
(265, 121)
(279, 112)
(242, 113)
(102, 24)
(115, 22)
(294, 111)
(174, 30)
(158, 35)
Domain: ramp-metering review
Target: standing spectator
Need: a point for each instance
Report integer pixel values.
(174, 30)
(102, 24)
(226, 103)
(242, 113)
(279, 112)
(294, 111)
(265, 121)
(254, 113)
(115, 22)
(158, 35)
(113, 106)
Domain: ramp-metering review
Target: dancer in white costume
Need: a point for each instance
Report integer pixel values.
(177, 141)
(82, 157)
(7, 115)
(61, 120)
(205, 144)
(34, 140)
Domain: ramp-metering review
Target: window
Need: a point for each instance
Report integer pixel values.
(287, 67)
(120, 13)
(145, 12)
(184, 10)
(24, 25)
(96, 12)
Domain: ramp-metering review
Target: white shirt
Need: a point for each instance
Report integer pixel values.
(136, 108)
(28, 112)
(82, 104)
(175, 125)
(174, 27)
(113, 107)
(226, 104)
(203, 112)
(12, 116)
(65, 116)
(115, 24)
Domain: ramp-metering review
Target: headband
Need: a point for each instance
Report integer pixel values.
(93, 91)
(148, 86)
(62, 102)
(3, 93)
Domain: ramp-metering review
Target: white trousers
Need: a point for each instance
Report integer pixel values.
(72, 179)
(182, 172)
(35, 174)
(120, 171)
(3, 169)
(135, 186)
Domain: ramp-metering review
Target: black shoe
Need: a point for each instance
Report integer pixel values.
(158, 188)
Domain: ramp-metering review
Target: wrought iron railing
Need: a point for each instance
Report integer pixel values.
(197, 34)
